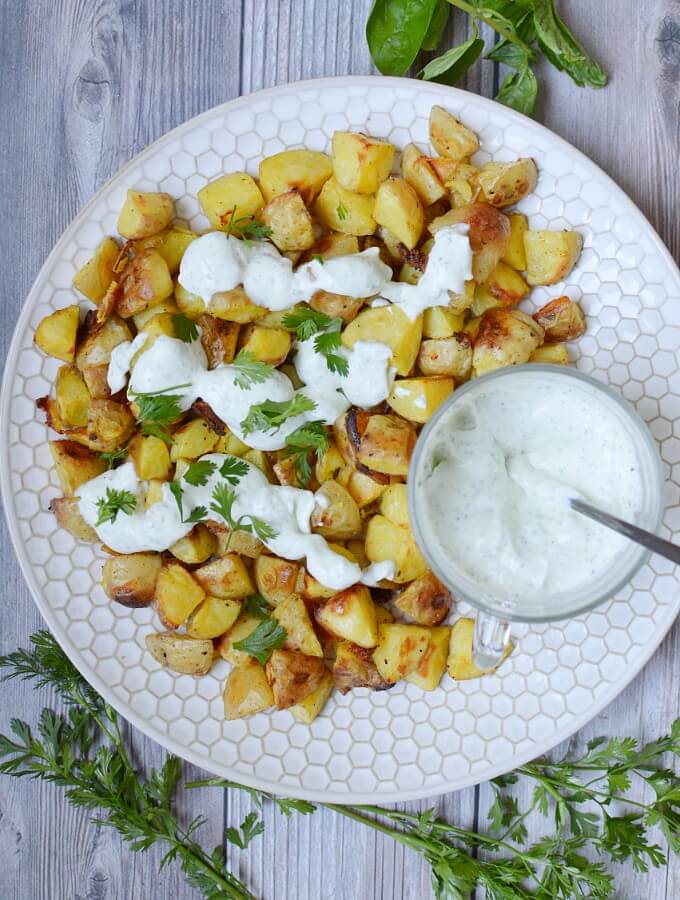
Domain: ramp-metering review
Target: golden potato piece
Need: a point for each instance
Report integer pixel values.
(193, 440)
(213, 617)
(130, 578)
(425, 601)
(309, 708)
(400, 649)
(364, 488)
(245, 625)
(354, 668)
(442, 322)
(562, 320)
(554, 354)
(459, 663)
(74, 464)
(181, 653)
(219, 339)
(350, 614)
(290, 222)
(177, 595)
(506, 285)
(293, 676)
(416, 399)
(234, 196)
(96, 381)
(428, 673)
(344, 211)
(551, 255)
(336, 305)
(93, 279)
(96, 346)
(447, 356)
(56, 333)
(171, 245)
(506, 183)
(145, 281)
(387, 444)
(233, 306)
(271, 345)
(109, 425)
(246, 691)
(392, 326)
(417, 171)
(226, 578)
(506, 337)
(150, 456)
(144, 214)
(336, 515)
(360, 163)
(394, 504)
(305, 171)
(72, 396)
(292, 615)
(489, 235)
(386, 540)
(515, 254)
(449, 137)
(195, 547)
(398, 208)
(67, 514)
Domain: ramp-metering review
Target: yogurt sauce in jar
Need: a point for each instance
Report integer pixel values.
(498, 469)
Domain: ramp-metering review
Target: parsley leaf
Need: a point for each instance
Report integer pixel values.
(113, 502)
(327, 342)
(257, 606)
(177, 492)
(199, 472)
(222, 502)
(318, 258)
(233, 469)
(185, 329)
(312, 436)
(341, 210)
(223, 499)
(250, 828)
(271, 414)
(198, 514)
(268, 636)
(251, 370)
(113, 457)
(158, 408)
(248, 228)
(306, 322)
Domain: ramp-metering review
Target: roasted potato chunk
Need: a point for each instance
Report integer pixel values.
(293, 676)
(245, 625)
(551, 255)
(398, 208)
(459, 663)
(234, 306)
(144, 214)
(195, 547)
(72, 396)
(276, 578)
(246, 691)
(67, 514)
(93, 279)
(145, 281)
(109, 425)
(130, 579)
(219, 339)
(304, 171)
(171, 245)
(96, 381)
(554, 354)
(354, 668)
(345, 211)
(292, 615)
(364, 488)
(417, 171)
(506, 337)
(416, 399)
(361, 163)
(271, 345)
(95, 348)
(489, 235)
(336, 515)
(506, 183)
(181, 653)
(386, 445)
(226, 578)
(428, 673)
(309, 708)
(350, 614)
(515, 254)
(213, 617)
(74, 464)
(336, 305)
(561, 319)
(56, 333)
(177, 594)
(386, 540)
(392, 326)
(234, 196)
(193, 440)
(290, 222)
(449, 137)
(150, 456)
(400, 649)
(506, 285)
(442, 322)
(447, 356)
(425, 600)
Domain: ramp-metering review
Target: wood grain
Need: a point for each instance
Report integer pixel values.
(88, 83)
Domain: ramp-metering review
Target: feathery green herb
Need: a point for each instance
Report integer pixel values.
(396, 30)
(267, 637)
(250, 828)
(185, 329)
(248, 228)
(223, 499)
(257, 606)
(112, 503)
(158, 409)
(251, 370)
(301, 444)
(271, 414)
(113, 457)
(307, 322)
(198, 514)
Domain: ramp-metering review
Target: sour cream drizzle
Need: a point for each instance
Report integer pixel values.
(218, 262)
(287, 510)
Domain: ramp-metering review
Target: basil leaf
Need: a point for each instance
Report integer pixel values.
(437, 26)
(395, 31)
(452, 65)
(562, 49)
(519, 91)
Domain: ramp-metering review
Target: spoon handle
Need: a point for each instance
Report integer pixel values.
(639, 535)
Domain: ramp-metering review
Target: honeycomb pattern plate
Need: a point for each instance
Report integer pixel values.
(402, 743)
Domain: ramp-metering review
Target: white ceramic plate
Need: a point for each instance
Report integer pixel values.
(402, 743)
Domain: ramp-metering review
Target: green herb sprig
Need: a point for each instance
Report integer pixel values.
(157, 410)
(113, 457)
(396, 30)
(260, 643)
(113, 502)
(185, 329)
(307, 322)
(310, 438)
(223, 498)
(250, 370)
(248, 228)
(271, 414)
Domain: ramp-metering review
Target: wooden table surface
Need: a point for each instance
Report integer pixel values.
(86, 84)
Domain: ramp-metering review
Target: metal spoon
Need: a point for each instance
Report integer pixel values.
(639, 535)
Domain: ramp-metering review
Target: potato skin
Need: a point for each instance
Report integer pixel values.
(506, 337)
(449, 137)
(506, 183)
(293, 676)
(145, 281)
(561, 319)
(56, 333)
(447, 356)
(219, 339)
(95, 346)
(290, 222)
(339, 518)
(489, 235)
(130, 579)
(181, 653)
(551, 255)
(74, 464)
(354, 668)
(246, 691)
(425, 600)
(67, 514)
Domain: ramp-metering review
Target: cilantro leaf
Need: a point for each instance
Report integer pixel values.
(306, 322)
(185, 329)
(198, 514)
(257, 606)
(233, 469)
(199, 472)
(271, 414)
(177, 492)
(328, 341)
(113, 502)
(222, 503)
(308, 438)
(262, 529)
(113, 457)
(251, 370)
(267, 637)
(250, 828)
(223, 499)
(158, 407)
